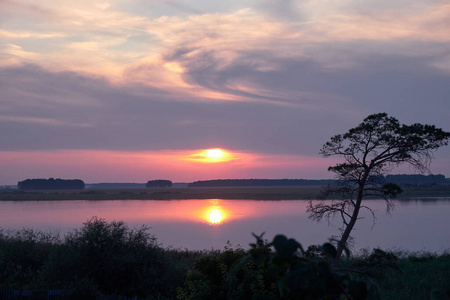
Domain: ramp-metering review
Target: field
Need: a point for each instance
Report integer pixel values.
(255, 193)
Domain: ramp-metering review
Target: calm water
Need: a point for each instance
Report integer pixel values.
(206, 224)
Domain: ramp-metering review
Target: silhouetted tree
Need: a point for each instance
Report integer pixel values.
(371, 150)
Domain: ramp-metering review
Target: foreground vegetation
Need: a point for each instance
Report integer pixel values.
(253, 193)
(111, 258)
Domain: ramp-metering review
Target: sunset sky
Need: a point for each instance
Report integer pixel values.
(130, 91)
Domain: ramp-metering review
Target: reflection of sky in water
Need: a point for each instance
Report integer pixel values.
(206, 224)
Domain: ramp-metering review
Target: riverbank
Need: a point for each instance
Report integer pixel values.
(253, 193)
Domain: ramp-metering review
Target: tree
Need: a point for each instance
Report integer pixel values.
(370, 151)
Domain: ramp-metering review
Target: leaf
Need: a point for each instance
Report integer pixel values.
(286, 247)
(329, 250)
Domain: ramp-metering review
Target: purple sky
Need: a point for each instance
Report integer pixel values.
(124, 91)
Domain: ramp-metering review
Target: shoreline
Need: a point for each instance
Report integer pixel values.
(229, 193)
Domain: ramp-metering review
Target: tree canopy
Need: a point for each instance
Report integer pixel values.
(370, 151)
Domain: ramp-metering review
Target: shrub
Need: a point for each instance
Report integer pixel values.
(212, 278)
(275, 270)
(22, 256)
(117, 259)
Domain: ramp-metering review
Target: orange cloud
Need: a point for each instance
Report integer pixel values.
(211, 156)
(141, 166)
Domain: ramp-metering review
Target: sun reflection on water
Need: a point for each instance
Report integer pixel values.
(214, 213)
(215, 217)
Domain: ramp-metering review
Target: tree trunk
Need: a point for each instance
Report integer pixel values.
(351, 224)
(347, 231)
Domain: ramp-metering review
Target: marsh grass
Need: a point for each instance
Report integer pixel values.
(249, 193)
(405, 275)
(256, 193)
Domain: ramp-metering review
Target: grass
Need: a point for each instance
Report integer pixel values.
(254, 193)
(406, 275)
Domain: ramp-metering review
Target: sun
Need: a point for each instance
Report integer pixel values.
(215, 155)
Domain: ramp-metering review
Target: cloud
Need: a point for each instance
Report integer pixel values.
(102, 40)
(37, 121)
(242, 76)
(292, 110)
(117, 117)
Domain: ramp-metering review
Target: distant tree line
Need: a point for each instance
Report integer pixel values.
(259, 182)
(158, 183)
(51, 184)
(416, 179)
(107, 185)
(397, 179)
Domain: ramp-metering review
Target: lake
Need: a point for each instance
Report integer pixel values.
(415, 225)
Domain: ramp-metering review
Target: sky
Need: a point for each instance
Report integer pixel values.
(131, 91)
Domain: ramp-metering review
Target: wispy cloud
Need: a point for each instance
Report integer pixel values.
(273, 77)
(43, 121)
(162, 51)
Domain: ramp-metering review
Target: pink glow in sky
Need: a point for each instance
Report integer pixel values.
(121, 91)
(109, 166)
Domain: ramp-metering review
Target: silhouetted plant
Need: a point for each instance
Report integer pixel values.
(22, 255)
(371, 150)
(117, 259)
(212, 278)
(305, 278)
(132, 261)
(275, 270)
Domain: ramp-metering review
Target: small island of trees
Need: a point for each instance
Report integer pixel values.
(51, 184)
(158, 183)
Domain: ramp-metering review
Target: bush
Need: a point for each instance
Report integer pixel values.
(117, 259)
(22, 255)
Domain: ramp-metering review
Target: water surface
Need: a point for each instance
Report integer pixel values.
(206, 224)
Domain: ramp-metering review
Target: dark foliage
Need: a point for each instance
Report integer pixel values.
(276, 270)
(51, 184)
(416, 179)
(22, 256)
(404, 275)
(258, 182)
(108, 258)
(99, 258)
(117, 259)
(158, 183)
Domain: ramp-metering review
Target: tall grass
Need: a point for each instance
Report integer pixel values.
(405, 275)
